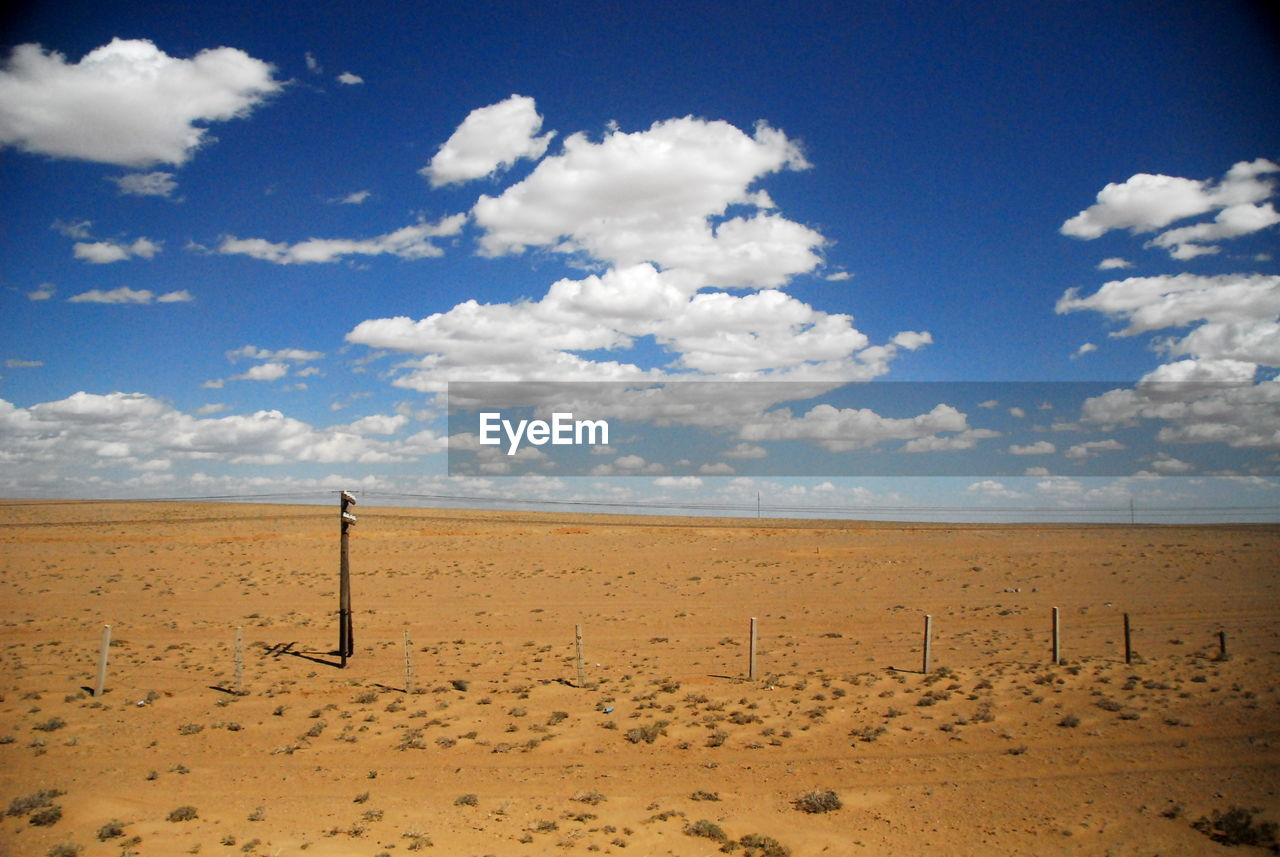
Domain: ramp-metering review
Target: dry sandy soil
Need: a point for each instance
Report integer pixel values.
(668, 749)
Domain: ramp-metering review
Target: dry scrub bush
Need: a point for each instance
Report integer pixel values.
(818, 802)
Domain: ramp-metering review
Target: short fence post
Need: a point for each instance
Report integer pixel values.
(239, 661)
(1222, 645)
(928, 644)
(102, 661)
(751, 656)
(408, 664)
(1057, 639)
(1128, 641)
(577, 641)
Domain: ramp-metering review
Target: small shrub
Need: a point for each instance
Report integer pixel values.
(47, 816)
(66, 849)
(35, 800)
(110, 830)
(755, 845)
(707, 830)
(647, 734)
(1236, 827)
(51, 725)
(703, 795)
(591, 798)
(183, 813)
(818, 801)
(460, 684)
(1069, 722)
(190, 729)
(467, 800)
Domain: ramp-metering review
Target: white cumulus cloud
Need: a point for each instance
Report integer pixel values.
(411, 242)
(126, 103)
(156, 183)
(1146, 203)
(105, 252)
(490, 139)
(650, 196)
(126, 295)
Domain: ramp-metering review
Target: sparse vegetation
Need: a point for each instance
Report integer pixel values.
(35, 800)
(182, 813)
(1237, 826)
(818, 802)
(707, 830)
(648, 734)
(111, 830)
(46, 816)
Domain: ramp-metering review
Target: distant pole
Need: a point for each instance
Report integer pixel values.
(102, 661)
(1131, 517)
(346, 645)
(928, 643)
(408, 663)
(239, 661)
(757, 505)
(1128, 641)
(751, 656)
(577, 642)
(1057, 638)
(1222, 645)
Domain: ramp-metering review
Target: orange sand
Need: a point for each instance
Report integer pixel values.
(996, 751)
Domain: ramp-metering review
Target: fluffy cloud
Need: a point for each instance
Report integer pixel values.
(125, 295)
(356, 198)
(1146, 203)
(1236, 414)
(105, 252)
(263, 372)
(683, 483)
(43, 293)
(650, 196)
(349, 79)
(1090, 448)
(490, 139)
(1040, 447)
(845, 429)
(673, 220)
(992, 490)
(135, 430)
(253, 352)
(126, 103)
(1237, 313)
(411, 242)
(146, 184)
(766, 333)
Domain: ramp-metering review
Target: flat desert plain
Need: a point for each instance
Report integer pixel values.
(479, 738)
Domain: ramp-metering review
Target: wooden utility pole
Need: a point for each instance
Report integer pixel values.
(102, 661)
(1057, 637)
(928, 644)
(1128, 641)
(346, 646)
(577, 640)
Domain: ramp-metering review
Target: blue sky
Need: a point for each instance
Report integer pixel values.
(244, 247)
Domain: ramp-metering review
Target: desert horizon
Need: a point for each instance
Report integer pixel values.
(479, 737)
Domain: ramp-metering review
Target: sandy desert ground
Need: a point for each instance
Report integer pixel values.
(843, 745)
